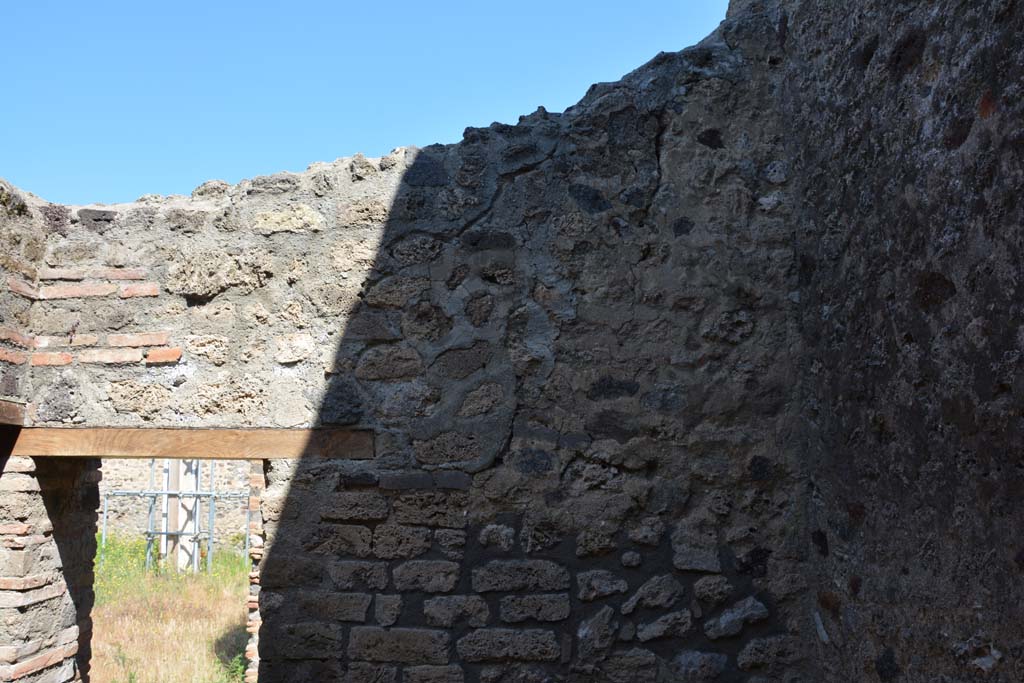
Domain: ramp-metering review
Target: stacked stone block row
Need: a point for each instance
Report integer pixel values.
(149, 348)
(257, 485)
(53, 350)
(14, 355)
(22, 241)
(106, 286)
(390, 581)
(47, 545)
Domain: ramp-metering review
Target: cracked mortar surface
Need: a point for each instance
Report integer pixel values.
(712, 377)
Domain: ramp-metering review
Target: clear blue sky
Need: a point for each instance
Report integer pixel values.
(106, 100)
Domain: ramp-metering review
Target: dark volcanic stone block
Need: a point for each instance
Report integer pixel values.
(428, 576)
(516, 575)
(497, 644)
(403, 645)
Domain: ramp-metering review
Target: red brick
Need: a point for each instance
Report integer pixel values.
(77, 291)
(42, 661)
(16, 338)
(12, 357)
(16, 528)
(139, 339)
(140, 289)
(51, 358)
(22, 288)
(61, 274)
(24, 583)
(111, 356)
(162, 355)
(49, 342)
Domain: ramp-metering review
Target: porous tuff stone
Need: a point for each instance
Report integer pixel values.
(354, 574)
(517, 608)
(434, 674)
(596, 634)
(518, 575)
(355, 505)
(699, 667)
(599, 584)
(660, 591)
(732, 302)
(497, 644)
(672, 624)
(404, 645)
(335, 606)
(712, 589)
(445, 611)
(392, 541)
(428, 576)
(497, 535)
(731, 621)
(387, 609)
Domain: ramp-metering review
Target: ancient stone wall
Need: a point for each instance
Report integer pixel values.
(576, 347)
(22, 241)
(47, 509)
(908, 133)
(710, 377)
(47, 545)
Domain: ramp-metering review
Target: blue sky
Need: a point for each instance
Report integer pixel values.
(108, 100)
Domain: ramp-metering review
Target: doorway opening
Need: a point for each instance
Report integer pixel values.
(52, 569)
(173, 572)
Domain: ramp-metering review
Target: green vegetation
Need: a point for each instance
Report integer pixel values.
(163, 625)
(121, 567)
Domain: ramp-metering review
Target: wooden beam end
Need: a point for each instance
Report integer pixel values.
(12, 413)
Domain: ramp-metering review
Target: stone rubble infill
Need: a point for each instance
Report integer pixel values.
(705, 324)
(731, 621)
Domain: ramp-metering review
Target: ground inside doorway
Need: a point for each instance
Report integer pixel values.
(154, 627)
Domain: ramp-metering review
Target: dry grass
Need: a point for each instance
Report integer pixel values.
(163, 627)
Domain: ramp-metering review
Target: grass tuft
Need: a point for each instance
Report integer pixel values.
(161, 625)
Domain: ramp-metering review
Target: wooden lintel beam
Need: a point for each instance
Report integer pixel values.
(11, 413)
(205, 444)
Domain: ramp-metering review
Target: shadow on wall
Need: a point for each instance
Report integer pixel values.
(57, 500)
(522, 519)
(425, 362)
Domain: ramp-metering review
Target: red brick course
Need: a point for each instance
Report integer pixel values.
(48, 342)
(111, 356)
(76, 291)
(15, 337)
(51, 358)
(163, 355)
(22, 288)
(12, 357)
(139, 339)
(140, 289)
